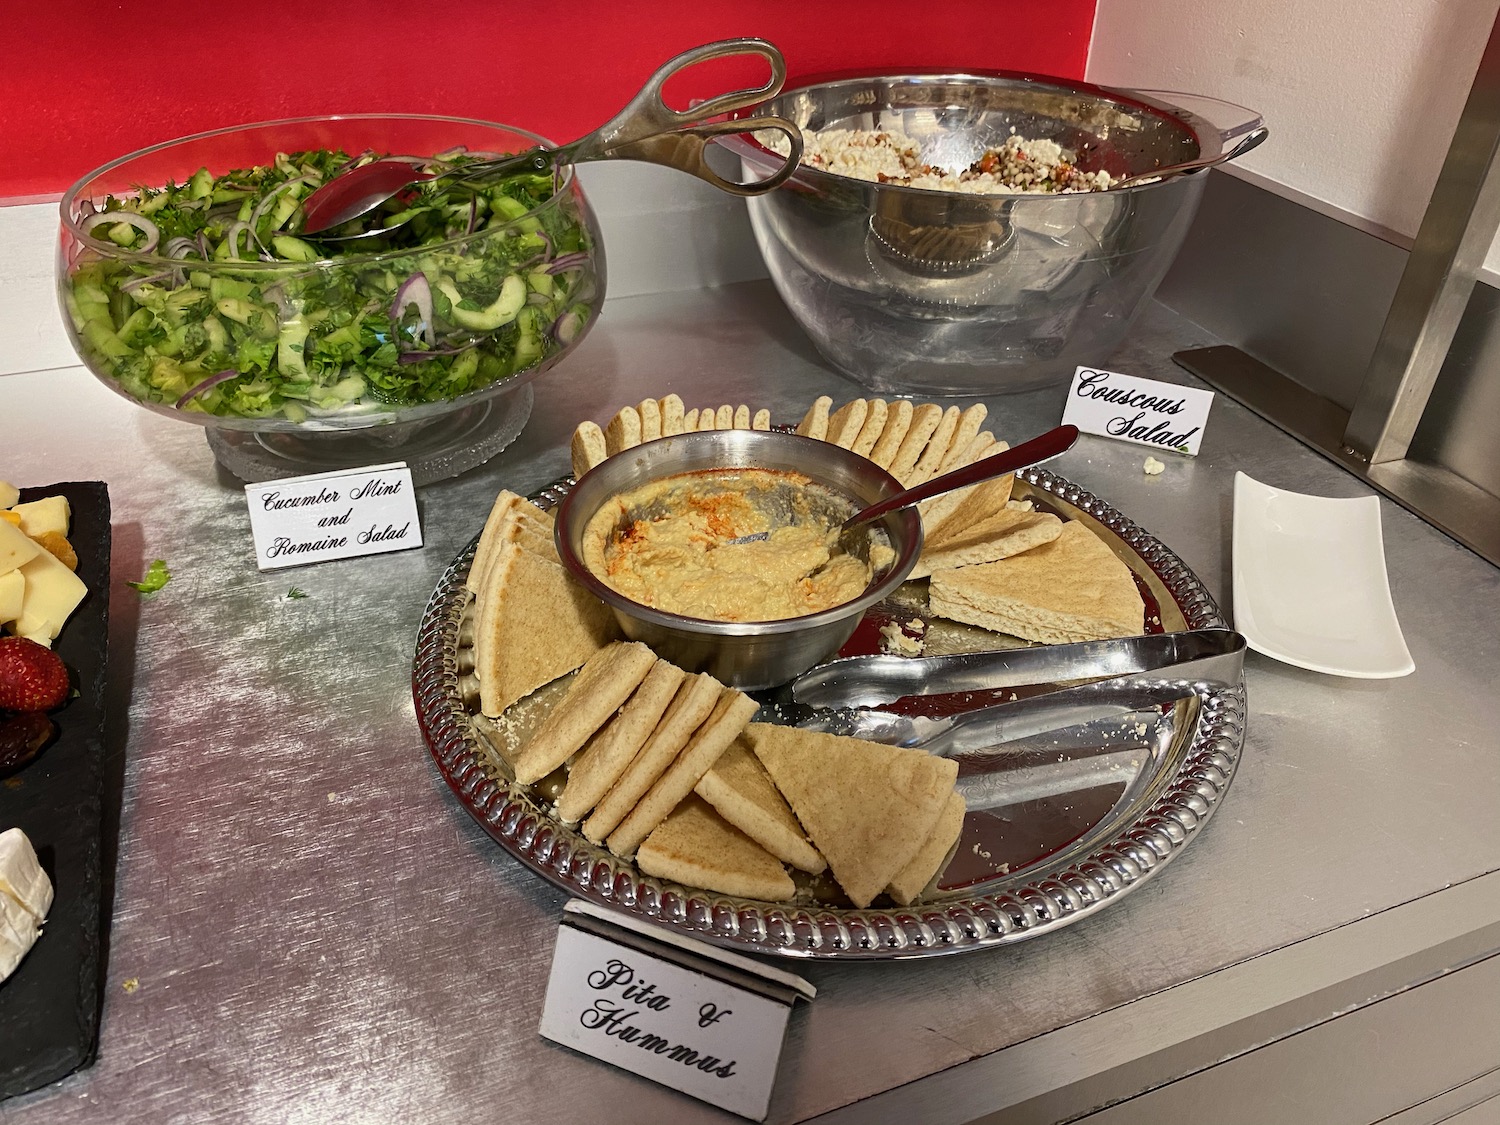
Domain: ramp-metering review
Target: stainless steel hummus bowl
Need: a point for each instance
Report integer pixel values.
(743, 654)
(914, 291)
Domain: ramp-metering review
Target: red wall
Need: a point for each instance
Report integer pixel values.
(85, 81)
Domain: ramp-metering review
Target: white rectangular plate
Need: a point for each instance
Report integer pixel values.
(1310, 586)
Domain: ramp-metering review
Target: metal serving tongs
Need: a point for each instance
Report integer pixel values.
(646, 129)
(1129, 677)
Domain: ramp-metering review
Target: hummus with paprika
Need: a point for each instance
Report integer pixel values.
(727, 545)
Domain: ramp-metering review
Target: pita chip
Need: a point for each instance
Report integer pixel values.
(814, 423)
(1071, 589)
(742, 792)
(589, 448)
(623, 431)
(937, 449)
(601, 686)
(671, 411)
(978, 500)
(709, 741)
(873, 426)
(1008, 532)
(897, 422)
(609, 752)
(933, 856)
(650, 414)
(963, 437)
(696, 847)
(925, 420)
(845, 423)
(535, 624)
(868, 808)
(690, 707)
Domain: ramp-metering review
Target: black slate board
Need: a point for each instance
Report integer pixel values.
(49, 1007)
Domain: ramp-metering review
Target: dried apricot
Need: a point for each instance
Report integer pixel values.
(57, 543)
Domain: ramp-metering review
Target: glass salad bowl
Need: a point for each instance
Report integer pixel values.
(187, 287)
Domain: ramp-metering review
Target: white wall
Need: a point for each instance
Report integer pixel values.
(1361, 96)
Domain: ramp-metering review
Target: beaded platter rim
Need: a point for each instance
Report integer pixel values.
(1135, 842)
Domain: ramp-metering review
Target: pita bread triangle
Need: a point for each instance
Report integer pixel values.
(535, 624)
(696, 847)
(1071, 589)
(868, 808)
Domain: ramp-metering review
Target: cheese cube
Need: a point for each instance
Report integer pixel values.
(15, 547)
(25, 895)
(9, 494)
(50, 513)
(18, 933)
(21, 874)
(12, 594)
(52, 593)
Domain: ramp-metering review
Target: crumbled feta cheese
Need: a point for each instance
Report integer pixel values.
(889, 156)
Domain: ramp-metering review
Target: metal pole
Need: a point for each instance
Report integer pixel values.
(1456, 232)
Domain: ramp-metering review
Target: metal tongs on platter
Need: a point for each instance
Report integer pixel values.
(1105, 685)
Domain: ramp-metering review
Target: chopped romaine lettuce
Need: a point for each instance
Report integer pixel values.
(157, 575)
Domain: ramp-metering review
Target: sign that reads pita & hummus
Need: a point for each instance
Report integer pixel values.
(701, 1021)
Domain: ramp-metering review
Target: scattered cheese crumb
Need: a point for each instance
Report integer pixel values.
(130, 984)
(1153, 467)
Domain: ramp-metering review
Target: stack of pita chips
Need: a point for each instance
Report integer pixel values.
(656, 418)
(993, 561)
(1072, 588)
(667, 767)
(886, 818)
(532, 622)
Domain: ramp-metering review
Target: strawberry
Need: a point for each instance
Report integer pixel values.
(32, 676)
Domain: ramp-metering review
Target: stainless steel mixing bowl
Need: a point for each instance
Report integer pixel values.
(743, 654)
(914, 291)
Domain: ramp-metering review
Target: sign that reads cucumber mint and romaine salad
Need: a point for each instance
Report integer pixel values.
(203, 296)
(301, 520)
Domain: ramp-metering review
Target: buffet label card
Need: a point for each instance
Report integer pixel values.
(299, 520)
(1161, 415)
(680, 1020)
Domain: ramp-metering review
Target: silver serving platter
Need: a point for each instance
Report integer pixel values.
(1121, 833)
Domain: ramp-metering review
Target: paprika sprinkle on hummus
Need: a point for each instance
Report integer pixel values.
(727, 545)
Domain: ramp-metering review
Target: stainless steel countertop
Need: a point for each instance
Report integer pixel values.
(320, 933)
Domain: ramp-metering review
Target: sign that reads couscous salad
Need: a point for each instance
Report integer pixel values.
(1145, 411)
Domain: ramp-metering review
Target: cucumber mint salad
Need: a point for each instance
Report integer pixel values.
(474, 284)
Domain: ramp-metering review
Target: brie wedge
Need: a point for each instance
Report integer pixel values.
(25, 897)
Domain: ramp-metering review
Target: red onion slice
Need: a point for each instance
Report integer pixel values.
(207, 384)
(180, 246)
(140, 222)
(568, 262)
(136, 282)
(260, 208)
(565, 328)
(420, 357)
(415, 290)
